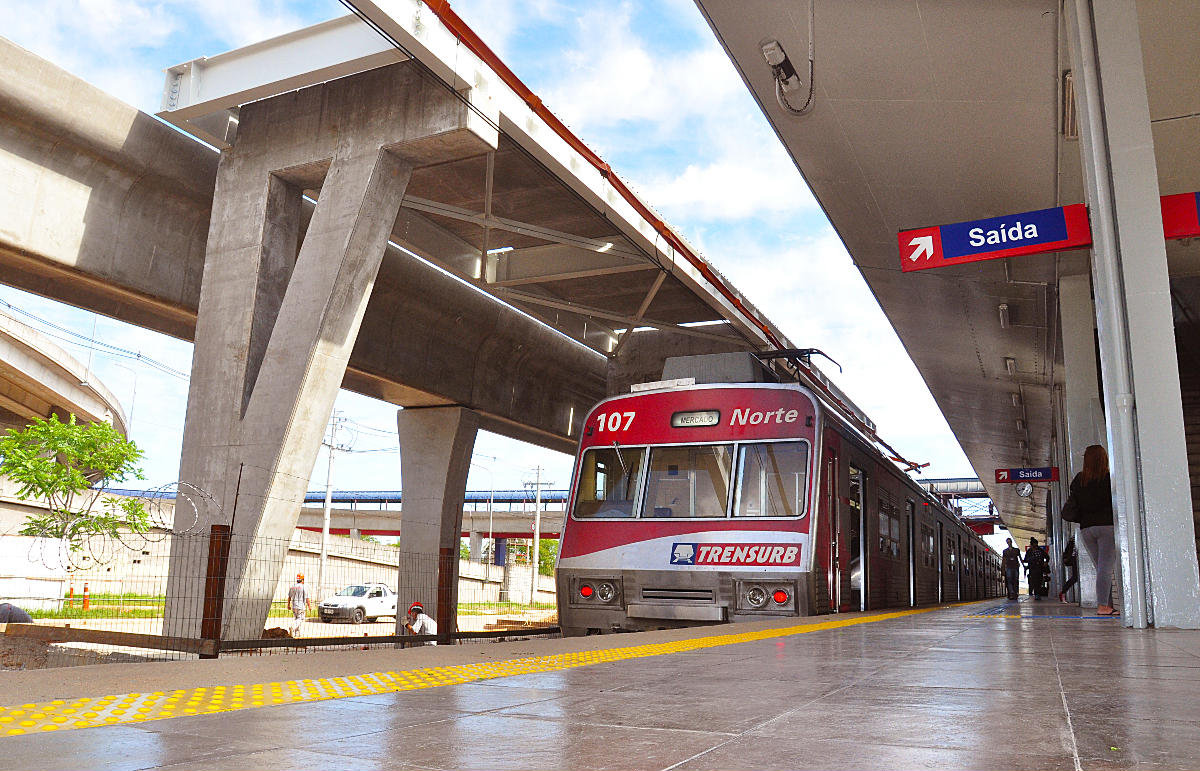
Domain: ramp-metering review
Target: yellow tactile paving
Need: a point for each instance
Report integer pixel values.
(64, 714)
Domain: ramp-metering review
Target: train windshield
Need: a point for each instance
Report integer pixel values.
(771, 479)
(608, 482)
(690, 481)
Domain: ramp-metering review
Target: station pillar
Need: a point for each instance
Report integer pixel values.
(281, 301)
(1140, 377)
(435, 455)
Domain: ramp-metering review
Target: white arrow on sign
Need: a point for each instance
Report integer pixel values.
(1003, 474)
(924, 246)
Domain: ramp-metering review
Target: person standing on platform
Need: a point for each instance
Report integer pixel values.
(1070, 560)
(1010, 560)
(1037, 568)
(299, 603)
(1091, 494)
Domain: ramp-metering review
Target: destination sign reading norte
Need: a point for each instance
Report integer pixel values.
(1031, 232)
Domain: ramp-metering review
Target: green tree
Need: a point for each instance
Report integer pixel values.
(547, 556)
(65, 465)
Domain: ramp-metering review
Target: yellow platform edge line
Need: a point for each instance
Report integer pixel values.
(132, 708)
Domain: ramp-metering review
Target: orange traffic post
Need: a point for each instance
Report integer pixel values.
(86, 600)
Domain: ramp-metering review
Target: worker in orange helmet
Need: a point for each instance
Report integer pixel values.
(419, 622)
(299, 603)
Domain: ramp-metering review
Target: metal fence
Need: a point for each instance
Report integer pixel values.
(208, 594)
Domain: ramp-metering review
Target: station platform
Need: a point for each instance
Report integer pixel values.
(989, 685)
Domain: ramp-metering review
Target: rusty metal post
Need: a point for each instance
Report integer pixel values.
(214, 586)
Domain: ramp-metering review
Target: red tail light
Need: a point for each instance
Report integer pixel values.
(585, 591)
(780, 596)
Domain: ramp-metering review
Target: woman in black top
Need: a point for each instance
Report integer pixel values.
(1092, 491)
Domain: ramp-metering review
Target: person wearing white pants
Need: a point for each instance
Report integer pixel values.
(1091, 490)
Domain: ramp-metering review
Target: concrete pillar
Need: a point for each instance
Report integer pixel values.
(476, 546)
(435, 455)
(1151, 488)
(1081, 402)
(280, 309)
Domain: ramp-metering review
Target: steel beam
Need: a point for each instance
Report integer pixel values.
(584, 310)
(488, 221)
(573, 274)
(641, 311)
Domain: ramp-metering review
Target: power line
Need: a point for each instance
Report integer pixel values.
(113, 350)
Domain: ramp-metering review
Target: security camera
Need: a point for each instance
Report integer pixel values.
(781, 66)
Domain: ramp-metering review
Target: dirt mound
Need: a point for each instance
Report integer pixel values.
(276, 633)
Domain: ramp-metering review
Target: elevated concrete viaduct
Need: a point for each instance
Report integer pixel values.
(371, 232)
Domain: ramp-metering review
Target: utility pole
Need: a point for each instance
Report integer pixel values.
(537, 535)
(331, 445)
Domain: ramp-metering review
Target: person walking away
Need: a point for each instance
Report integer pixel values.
(419, 623)
(1091, 491)
(1070, 561)
(1037, 568)
(1010, 560)
(299, 603)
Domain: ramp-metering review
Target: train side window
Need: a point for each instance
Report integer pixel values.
(690, 481)
(772, 478)
(889, 529)
(928, 543)
(608, 482)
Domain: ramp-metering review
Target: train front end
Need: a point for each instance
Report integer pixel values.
(690, 506)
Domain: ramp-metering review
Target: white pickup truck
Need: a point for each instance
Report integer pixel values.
(358, 603)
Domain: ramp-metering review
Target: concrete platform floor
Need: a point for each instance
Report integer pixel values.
(993, 685)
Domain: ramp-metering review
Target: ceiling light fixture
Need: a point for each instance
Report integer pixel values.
(1010, 364)
(1016, 399)
(1005, 322)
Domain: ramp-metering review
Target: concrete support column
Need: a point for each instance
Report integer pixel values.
(435, 455)
(476, 546)
(1151, 488)
(280, 309)
(1081, 402)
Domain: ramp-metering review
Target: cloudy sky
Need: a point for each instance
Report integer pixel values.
(643, 83)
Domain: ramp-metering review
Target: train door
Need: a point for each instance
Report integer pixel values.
(910, 516)
(958, 577)
(830, 559)
(858, 562)
(941, 565)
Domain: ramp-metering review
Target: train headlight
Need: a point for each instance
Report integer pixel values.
(606, 592)
(756, 596)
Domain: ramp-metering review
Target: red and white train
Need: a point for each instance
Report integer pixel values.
(702, 504)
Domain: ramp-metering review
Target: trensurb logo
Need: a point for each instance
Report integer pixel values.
(746, 554)
(683, 554)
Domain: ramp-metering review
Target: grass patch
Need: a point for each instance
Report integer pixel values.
(129, 606)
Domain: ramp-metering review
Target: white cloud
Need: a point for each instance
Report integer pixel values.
(812, 292)
(612, 75)
(120, 45)
(742, 184)
(498, 22)
(241, 22)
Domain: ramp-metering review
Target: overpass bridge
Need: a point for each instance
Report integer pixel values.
(392, 214)
(485, 514)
